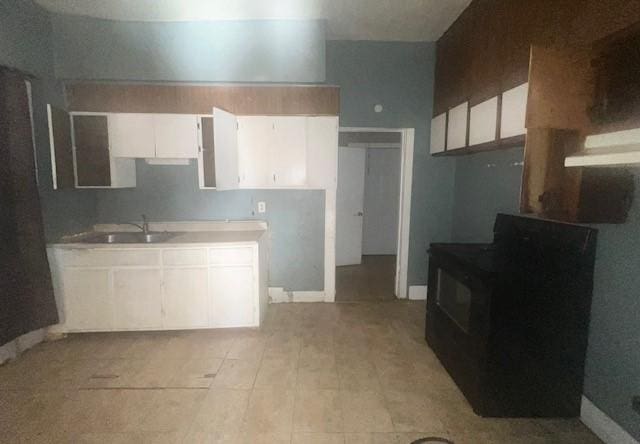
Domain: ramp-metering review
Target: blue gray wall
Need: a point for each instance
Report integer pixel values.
(256, 51)
(399, 76)
(488, 183)
(25, 44)
(171, 193)
(224, 51)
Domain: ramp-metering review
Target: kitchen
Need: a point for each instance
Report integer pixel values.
(106, 64)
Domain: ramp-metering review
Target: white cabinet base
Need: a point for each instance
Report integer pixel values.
(159, 288)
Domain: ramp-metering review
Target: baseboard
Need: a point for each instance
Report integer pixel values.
(418, 292)
(12, 349)
(277, 295)
(602, 425)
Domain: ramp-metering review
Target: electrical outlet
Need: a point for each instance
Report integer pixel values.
(635, 403)
(262, 207)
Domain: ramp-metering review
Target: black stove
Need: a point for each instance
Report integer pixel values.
(509, 320)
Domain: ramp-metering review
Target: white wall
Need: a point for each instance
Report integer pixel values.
(381, 201)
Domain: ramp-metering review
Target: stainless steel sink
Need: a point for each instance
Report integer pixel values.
(127, 238)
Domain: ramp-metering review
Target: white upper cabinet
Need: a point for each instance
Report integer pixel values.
(254, 152)
(132, 135)
(254, 136)
(438, 133)
(176, 136)
(514, 111)
(225, 140)
(483, 119)
(166, 136)
(322, 152)
(457, 127)
(288, 152)
(272, 151)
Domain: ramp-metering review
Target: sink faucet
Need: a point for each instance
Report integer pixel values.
(144, 227)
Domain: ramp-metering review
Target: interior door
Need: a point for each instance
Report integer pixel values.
(349, 205)
(225, 139)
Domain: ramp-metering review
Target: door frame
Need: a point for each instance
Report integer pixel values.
(404, 215)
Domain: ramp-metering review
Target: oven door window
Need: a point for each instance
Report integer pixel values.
(454, 298)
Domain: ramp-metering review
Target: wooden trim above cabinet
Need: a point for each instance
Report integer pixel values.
(198, 99)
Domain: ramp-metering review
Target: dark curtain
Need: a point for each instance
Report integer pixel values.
(26, 293)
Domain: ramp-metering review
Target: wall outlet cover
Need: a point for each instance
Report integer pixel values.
(262, 207)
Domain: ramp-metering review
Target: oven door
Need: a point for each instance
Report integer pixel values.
(453, 296)
(457, 324)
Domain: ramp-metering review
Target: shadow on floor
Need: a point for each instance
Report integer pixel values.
(372, 280)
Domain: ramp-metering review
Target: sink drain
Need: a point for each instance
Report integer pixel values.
(432, 439)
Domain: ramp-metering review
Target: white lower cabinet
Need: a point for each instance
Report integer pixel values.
(136, 298)
(147, 288)
(185, 298)
(87, 304)
(232, 294)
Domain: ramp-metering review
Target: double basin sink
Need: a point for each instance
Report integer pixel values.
(128, 238)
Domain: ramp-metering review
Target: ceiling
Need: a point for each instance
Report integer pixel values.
(401, 20)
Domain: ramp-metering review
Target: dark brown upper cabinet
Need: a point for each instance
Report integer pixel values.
(91, 141)
(616, 64)
(207, 161)
(80, 152)
(542, 61)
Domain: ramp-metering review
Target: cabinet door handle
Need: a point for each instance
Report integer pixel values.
(274, 177)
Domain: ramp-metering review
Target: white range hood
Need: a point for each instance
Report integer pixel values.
(610, 149)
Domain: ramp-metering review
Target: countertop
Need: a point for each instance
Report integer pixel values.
(187, 238)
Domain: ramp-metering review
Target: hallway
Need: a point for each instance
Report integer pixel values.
(372, 280)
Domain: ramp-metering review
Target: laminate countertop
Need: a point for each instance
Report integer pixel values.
(187, 238)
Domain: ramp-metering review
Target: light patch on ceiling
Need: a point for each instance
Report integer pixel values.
(399, 20)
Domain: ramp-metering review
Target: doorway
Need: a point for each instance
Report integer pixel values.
(373, 190)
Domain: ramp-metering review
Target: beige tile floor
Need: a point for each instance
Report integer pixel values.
(314, 373)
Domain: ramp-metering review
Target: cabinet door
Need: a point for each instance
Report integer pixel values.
(61, 148)
(514, 111)
(288, 152)
(483, 119)
(225, 139)
(438, 133)
(322, 152)
(132, 135)
(176, 136)
(254, 136)
(136, 298)
(231, 297)
(88, 305)
(206, 155)
(184, 302)
(457, 127)
(91, 148)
